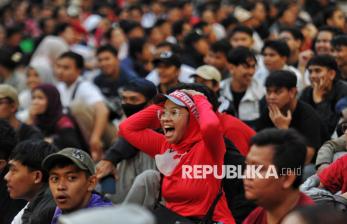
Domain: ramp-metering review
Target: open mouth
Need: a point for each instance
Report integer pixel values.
(61, 199)
(169, 131)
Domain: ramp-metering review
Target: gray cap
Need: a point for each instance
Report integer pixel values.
(79, 157)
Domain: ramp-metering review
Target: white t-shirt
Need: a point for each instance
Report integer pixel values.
(86, 92)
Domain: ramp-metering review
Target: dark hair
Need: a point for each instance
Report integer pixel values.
(339, 41)
(177, 27)
(330, 29)
(281, 78)
(327, 61)
(211, 97)
(221, 46)
(241, 29)
(136, 46)
(78, 59)
(31, 154)
(289, 149)
(143, 86)
(279, 46)
(129, 25)
(60, 27)
(8, 139)
(107, 48)
(241, 55)
(295, 32)
(229, 21)
(329, 12)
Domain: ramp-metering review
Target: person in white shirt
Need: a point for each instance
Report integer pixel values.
(79, 96)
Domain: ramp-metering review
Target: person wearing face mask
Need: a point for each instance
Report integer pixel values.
(191, 137)
(136, 95)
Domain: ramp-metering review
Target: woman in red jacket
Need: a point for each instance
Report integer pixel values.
(192, 136)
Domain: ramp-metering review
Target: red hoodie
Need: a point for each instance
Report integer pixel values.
(236, 131)
(204, 144)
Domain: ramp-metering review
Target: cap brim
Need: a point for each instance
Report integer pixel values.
(49, 160)
(175, 100)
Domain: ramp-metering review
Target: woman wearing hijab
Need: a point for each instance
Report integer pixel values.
(191, 136)
(46, 112)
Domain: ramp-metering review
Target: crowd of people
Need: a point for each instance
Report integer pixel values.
(105, 104)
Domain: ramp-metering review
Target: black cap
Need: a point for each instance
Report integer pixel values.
(143, 86)
(168, 58)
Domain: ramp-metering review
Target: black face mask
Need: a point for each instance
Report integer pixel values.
(130, 109)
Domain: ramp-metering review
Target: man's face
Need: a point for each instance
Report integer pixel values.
(243, 73)
(21, 181)
(322, 44)
(132, 97)
(272, 60)
(280, 97)
(66, 70)
(7, 108)
(321, 76)
(202, 46)
(340, 54)
(216, 59)
(70, 187)
(262, 191)
(167, 73)
(240, 39)
(294, 45)
(208, 83)
(108, 63)
(337, 20)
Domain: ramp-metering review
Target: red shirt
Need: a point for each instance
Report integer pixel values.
(236, 131)
(258, 215)
(334, 177)
(203, 142)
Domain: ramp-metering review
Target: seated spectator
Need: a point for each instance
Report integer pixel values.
(8, 207)
(122, 159)
(190, 128)
(332, 149)
(27, 180)
(9, 105)
(46, 112)
(334, 177)
(111, 78)
(285, 111)
(242, 90)
(276, 54)
(72, 180)
(185, 70)
(218, 57)
(294, 39)
(285, 150)
(168, 66)
(35, 75)
(85, 102)
(326, 90)
(339, 51)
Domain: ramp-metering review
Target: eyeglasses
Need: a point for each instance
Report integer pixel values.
(174, 114)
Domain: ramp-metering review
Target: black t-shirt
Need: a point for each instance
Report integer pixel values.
(304, 119)
(237, 99)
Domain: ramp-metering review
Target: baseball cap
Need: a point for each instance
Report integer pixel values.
(208, 72)
(143, 86)
(168, 58)
(242, 14)
(7, 91)
(79, 157)
(182, 99)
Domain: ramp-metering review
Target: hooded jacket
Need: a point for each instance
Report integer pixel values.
(203, 144)
(96, 200)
